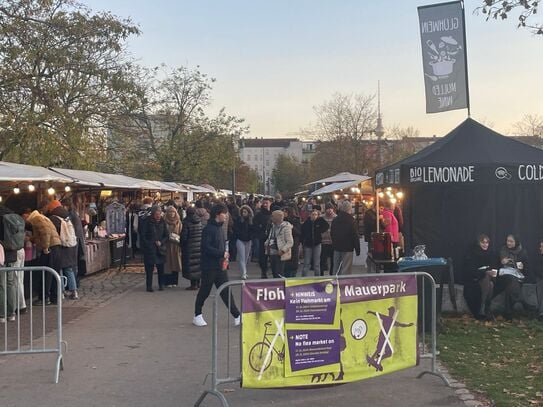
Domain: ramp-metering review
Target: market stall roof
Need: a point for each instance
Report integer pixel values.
(304, 192)
(23, 173)
(341, 177)
(204, 189)
(158, 186)
(337, 186)
(93, 178)
(470, 154)
(179, 187)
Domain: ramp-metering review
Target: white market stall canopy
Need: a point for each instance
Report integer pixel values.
(341, 177)
(99, 179)
(27, 173)
(338, 186)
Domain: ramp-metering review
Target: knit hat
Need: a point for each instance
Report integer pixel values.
(345, 206)
(51, 206)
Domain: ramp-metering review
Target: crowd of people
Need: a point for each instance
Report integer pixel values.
(270, 232)
(51, 237)
(197, 241)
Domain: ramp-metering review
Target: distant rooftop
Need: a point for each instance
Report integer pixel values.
(268, 142)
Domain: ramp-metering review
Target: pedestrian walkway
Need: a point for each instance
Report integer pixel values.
(140, 349)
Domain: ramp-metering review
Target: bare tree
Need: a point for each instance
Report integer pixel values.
(343, 123)
(530, 125)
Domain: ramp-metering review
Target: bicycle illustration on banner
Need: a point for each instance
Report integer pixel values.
(261, 354)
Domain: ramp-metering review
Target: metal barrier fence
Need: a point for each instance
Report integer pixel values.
(18, 343)
(427, 351)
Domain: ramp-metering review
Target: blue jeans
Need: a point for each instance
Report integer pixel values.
(244, 250)
(69, 273)
(312, 253)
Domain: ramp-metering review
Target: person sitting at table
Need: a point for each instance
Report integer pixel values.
(480, 267)
(514, 256)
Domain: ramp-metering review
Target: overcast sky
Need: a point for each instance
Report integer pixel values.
(275, 60)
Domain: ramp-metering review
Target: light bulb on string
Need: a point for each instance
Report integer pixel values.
(16, 190)
(51, 191)
(67, 188)
(399, 194)
(31, 188)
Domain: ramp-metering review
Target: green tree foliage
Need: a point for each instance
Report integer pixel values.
(63, 73)
(289, 175)
(526, 9)
(168, 135)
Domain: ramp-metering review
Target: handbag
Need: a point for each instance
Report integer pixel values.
(162, 250)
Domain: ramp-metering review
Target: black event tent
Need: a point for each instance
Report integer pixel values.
(471, 181)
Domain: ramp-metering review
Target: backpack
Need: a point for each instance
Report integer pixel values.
(14, 232)
(67, 234)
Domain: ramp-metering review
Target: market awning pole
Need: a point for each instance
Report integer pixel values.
(377, 209)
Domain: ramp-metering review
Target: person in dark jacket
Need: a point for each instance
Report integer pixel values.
(80, 268)
(243, 236)
(312, 230)
(262, 222)
(291, 216)
(512, 255)
(67, 261)
(344, 239)
(538, 271)
(154, 237)
(278, 204)
(191, 242)
(214, 265)
(480, 267)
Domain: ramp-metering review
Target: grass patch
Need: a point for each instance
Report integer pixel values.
(502, 360)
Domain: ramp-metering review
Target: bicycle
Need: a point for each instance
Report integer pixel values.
(259, 351)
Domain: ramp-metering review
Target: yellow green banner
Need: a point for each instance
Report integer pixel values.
(305, 332)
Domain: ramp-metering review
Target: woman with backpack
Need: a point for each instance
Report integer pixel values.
(67, 263)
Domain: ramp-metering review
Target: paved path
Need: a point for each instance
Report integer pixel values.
(140, 349)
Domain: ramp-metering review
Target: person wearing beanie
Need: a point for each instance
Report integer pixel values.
(327, 250)
(344, 239)
(214, 265)
(154, 236)
(312, 230)
(278, 245)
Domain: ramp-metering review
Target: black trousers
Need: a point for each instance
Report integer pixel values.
(263, 259)
(217, 277)
(149, 267)
(327, 253)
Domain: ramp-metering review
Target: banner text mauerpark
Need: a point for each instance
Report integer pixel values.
(309, 332)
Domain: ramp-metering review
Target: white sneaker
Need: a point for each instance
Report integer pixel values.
(244, 276)
(237, 321)
(198, 320)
